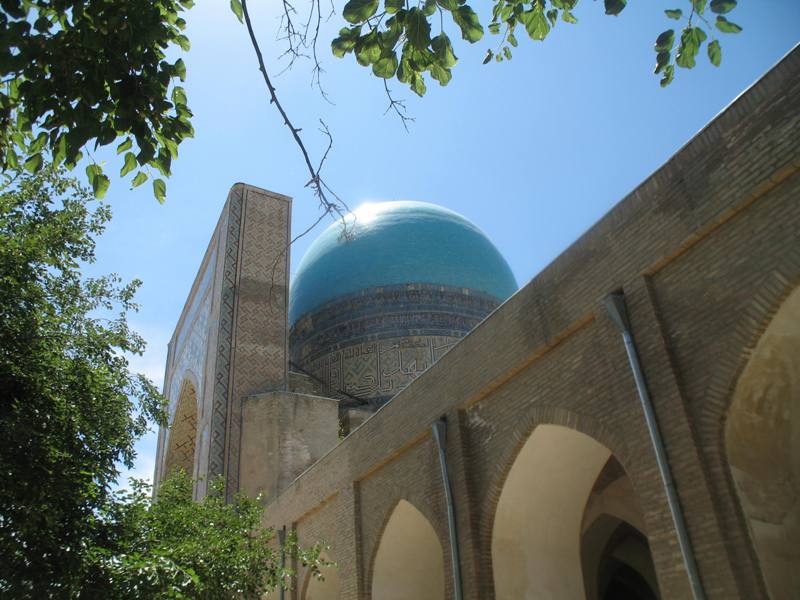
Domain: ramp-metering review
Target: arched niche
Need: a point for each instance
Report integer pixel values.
(762, 442)
(548, 540)
(182, 435)
(409, 563)
(325, 588)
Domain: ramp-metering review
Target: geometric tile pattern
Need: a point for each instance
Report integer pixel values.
(252, 341)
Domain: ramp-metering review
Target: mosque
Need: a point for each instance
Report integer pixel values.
(626, 425)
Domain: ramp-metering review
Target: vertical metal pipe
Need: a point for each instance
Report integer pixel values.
(615, 305)
(282, 543)
(440, 433)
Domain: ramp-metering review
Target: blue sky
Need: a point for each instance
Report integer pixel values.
(533, 151)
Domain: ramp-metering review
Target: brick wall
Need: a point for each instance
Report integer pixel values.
(705, 251)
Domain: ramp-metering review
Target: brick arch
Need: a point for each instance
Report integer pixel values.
(774, 290)
(552, 415)
(634, 465)
(181, 440)
(387, 519)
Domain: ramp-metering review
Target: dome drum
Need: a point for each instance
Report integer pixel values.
(373, 343)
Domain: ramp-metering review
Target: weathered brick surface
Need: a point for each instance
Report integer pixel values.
(705, 250)
(234, 325)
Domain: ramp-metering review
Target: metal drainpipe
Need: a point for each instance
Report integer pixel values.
(615, 305)
(282, 542)
(440, 433)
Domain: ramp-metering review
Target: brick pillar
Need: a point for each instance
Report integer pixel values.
(458, 464)
(692, 483)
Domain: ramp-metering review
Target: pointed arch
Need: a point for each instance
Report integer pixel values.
(559, 485)
(762, 444)
(182, 434)
(409, 561)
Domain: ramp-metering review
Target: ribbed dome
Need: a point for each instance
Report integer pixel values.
(392, 243)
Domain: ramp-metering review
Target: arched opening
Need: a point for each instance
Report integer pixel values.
(409, 563)
(183, 432)
(762, 440)
(568, 525)
(326, 587)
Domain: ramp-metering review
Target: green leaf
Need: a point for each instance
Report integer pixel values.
(358, 11)
(441, 74)
(568, 17)
(662, 60)
(443, 51)
(699, 6)
(11, 158)
(715, 53)
(38, 144)
(726, 26)
(691, 40)
(386, 66)
(468, 22)
(488, 57)
(93, 170)
(552, 16)
(236, 7)
(535, 24)
(160, 190)
(392, 6)
(669, 75)
(512, 39)
(367, 49)
(665, 41)
(722, 6)
(507, 52)
(100, 186)
(674, 13)
(614, 7)
(346, 41)
(130, 164)
(184, 42)
(418, 84)
(180, 69)
(178, 95)
(140, 178)
(418, 29)
(126, 145)
(60, 150)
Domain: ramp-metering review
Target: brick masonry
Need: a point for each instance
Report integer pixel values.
(706, 249)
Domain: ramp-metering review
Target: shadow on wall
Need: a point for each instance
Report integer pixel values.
(762, 440)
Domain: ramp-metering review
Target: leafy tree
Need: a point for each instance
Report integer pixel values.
(396, 37)
(70, 410)
(178, 548)
(79, 74)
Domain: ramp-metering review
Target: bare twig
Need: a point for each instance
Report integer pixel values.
(398, 106)
(316, 183)
(330, 203)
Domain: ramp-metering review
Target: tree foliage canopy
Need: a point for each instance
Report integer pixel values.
(80, 74)
(71, 411)
(404, 39)
(70, 408)
(178, 548)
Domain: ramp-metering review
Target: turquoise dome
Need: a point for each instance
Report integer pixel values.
(393, 243)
